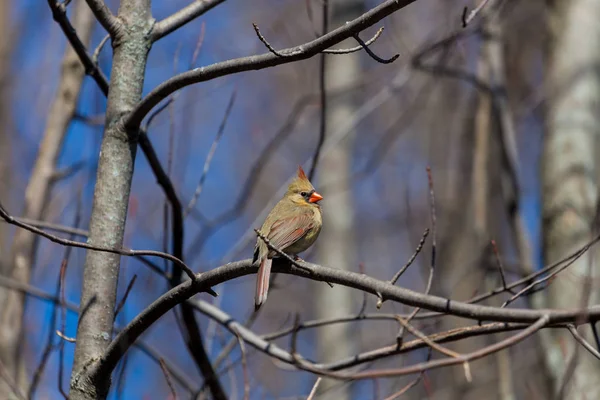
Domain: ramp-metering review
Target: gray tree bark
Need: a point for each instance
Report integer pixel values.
(37, 193)
(4, 119)
(570, 182)
(337, 240)
(111, 196)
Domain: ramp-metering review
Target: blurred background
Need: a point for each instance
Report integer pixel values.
(483, 106)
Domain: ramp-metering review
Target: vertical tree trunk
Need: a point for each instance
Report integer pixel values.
(111, 195)
(37, 194)
(570, 180)
(4, 120)
(5, 163)
(337, 240)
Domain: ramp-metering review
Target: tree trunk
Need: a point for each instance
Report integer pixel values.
(570, 182)
(4, 120)
(111, 196)
(37, 195)
(337, 241)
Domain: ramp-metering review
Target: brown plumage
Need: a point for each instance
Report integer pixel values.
(293, 225)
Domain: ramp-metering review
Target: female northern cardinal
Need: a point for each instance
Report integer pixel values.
(292, 226)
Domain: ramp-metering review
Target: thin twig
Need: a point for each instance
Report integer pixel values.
(256, 62)
(529, 288)
(466, 19)
(313, 391)
(185, 15)
(66, 242)
(322, 95)
(198, 45)
(373, 55)
(59, 13)
(587, 345)
(266, 42)
(65, 338)
(124, 299)
(425, 339)
(209, 157)
(244, 365)
(382, 373)
(60, 289)
(157, 112)
(436, 346)
(168, 378)
(500, 266)
(96, 53)
(357, 48)
(412, 258)
(433, 217)
(67, 306)
(411, 384)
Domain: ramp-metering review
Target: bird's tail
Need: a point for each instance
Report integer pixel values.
(262, 282)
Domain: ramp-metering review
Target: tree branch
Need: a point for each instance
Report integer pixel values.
(227, 272)
(302, 52)
(182, 17)
(106, 18)
(59, 13)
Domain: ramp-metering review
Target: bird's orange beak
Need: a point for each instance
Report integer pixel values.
(315, 198)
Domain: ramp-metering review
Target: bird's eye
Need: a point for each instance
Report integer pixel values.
(303, 194)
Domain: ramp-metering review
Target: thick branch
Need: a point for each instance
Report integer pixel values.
(355, 280)
(262, 61)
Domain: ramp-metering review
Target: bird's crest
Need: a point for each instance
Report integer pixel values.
(301, 174)
(301, 183)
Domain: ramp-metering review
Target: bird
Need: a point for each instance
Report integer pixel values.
(292, 226)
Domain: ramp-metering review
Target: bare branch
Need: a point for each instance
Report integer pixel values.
(244, 365)
(466, 19)
(209, 157)
(410, 385)
(313, 391)
(67, 306)
(357, 48)
(582, 341)
(124, 299)
(433, 217)
(373, 55)
(96, 53)
(511, 341)
(500, 266)
(301, 52)
(355, 280)
(322, 94)
(66, 242)
(182, 17)
(405, 266)
(168, 378)
(59, 14)
(106, 18)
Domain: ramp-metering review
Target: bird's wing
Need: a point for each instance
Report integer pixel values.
(287, 231)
